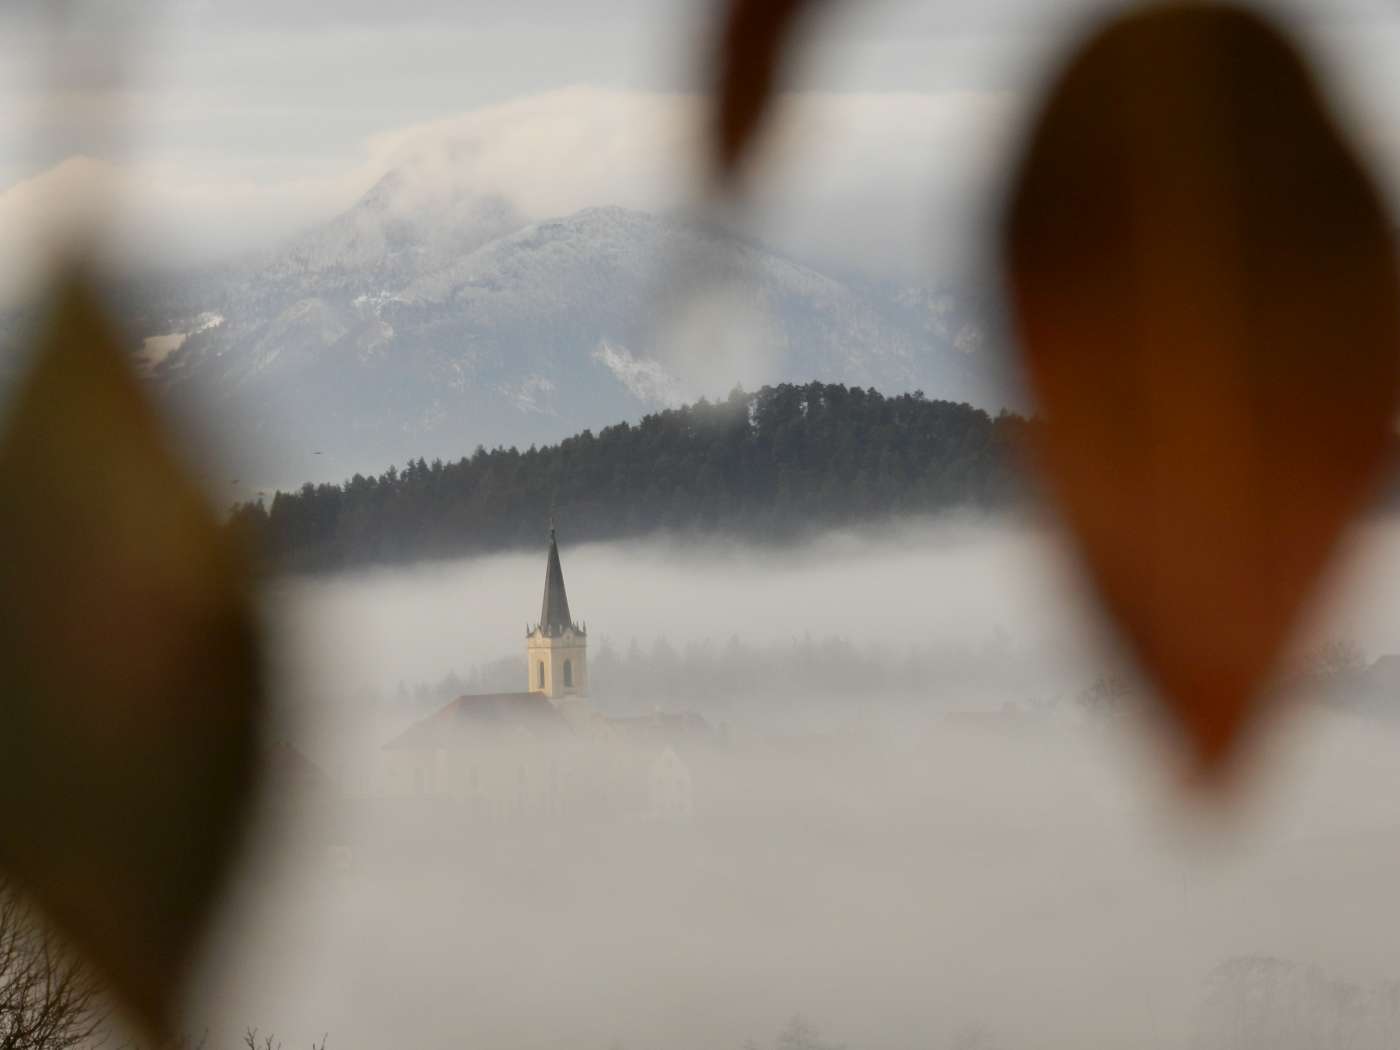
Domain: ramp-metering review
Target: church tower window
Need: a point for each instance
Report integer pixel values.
(540, 675)
(568, 674)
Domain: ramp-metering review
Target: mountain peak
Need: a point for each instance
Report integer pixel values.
(398, 228)
(426, 319)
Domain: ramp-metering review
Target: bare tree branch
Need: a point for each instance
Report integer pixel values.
(49, 999)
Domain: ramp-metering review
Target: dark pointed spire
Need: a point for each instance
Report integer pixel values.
(554, 613)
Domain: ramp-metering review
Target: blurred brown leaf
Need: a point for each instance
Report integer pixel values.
(1205, 284)
(129, 666)
(754, 36)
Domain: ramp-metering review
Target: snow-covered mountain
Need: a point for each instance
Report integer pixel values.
(406, 328)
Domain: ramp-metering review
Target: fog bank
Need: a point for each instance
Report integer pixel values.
(939, 868)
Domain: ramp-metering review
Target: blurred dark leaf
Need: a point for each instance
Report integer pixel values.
(129, 666)
(753, 40)
(1205, 284)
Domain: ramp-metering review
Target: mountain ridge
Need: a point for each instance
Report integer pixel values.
(426, 321)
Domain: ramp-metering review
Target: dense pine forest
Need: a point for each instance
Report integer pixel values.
(768, 465)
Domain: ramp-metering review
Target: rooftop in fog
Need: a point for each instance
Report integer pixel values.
(468, 717)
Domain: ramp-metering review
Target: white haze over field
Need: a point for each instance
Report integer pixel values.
(933, 870)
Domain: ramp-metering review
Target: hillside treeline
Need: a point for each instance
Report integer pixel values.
(770, 464)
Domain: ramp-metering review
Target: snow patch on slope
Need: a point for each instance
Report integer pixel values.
(644, 379)
(156, 348)
(534, 393)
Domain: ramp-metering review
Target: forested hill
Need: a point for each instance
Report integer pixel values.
(769, 464)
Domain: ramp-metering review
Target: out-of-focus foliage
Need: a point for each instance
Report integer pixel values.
(129, 666)
(775, 463)
(1206, 289)
(754, 37)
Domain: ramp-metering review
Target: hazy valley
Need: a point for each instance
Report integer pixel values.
(910, 825)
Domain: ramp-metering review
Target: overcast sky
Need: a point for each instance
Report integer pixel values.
(229, 125)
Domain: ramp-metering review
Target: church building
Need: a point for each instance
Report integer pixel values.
(544, 750)
(556, 647)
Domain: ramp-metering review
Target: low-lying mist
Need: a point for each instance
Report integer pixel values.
(916, 821)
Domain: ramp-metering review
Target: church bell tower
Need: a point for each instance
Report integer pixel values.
(556, 648)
